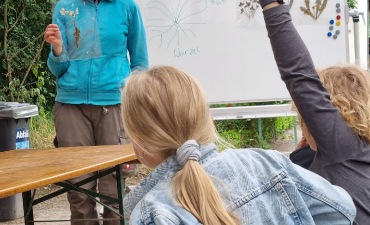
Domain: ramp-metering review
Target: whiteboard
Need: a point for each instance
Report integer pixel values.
(228, 51)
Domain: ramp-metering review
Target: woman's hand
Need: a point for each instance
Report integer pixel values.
(53, 36)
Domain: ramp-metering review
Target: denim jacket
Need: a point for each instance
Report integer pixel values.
(265, 188)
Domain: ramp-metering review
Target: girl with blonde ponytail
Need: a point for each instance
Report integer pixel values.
(166, 114)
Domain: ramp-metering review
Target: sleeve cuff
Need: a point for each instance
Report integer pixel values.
(276, 11)
(58, 59)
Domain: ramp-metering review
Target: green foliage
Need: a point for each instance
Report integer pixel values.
(243, 133)
(23, 72)
(42, 131)
(352, 4)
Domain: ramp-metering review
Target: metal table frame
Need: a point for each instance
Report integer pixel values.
(29, 201)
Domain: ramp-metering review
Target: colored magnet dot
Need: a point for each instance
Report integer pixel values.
(337, 32)
(335, 36)
(337, 5)
(331, 28)
(338, 17)
(338, 23)
(338, 10)
(331, 21)
(329, 34)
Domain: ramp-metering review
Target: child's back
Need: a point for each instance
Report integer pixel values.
(264, 186)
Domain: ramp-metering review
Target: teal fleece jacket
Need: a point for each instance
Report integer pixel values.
(96, 41)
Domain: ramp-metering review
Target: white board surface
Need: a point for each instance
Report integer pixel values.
(229, 53)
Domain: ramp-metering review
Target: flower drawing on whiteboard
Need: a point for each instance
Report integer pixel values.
(249, 8)
(170, 22)
(315, 10)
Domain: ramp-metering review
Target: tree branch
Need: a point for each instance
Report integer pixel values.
(17, 20)
(6, 30)
(31, 43)
(6, 25)
(33, 61)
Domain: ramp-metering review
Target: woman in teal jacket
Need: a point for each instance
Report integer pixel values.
(90, 45)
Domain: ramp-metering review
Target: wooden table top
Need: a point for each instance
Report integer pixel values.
(24, 170)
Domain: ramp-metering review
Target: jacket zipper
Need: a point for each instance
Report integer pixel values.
(89, 77)
(96, 27)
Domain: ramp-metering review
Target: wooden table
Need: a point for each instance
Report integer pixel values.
(24, 170)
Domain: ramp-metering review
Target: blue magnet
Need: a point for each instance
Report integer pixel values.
(337, 32)
(329, 34)
(337, 5)
(331, 21)
(335, 36)
(338, 10)
(331, 28)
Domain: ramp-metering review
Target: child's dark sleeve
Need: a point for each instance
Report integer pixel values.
(334, 138)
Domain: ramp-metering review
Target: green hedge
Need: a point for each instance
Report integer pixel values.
(243, 133)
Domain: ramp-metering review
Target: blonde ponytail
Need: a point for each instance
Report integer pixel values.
(197, 194)
(165, 107)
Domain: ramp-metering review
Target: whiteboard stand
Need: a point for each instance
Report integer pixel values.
(256, 112)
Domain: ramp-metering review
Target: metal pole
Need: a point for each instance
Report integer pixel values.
(260, 130)
(121, 192)
(295, 132)
(356, 30)
(27, 207)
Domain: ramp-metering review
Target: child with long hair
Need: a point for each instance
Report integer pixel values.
(334, 110)
(166, 114)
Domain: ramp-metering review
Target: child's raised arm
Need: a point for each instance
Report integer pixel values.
(335, 140)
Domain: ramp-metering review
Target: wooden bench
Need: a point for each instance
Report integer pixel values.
(24, 170)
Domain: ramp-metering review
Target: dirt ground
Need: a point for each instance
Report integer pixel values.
(58, 208)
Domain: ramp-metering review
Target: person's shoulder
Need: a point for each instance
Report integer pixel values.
(159, 207)
(254, 156)
(258, 166)
(130, 4)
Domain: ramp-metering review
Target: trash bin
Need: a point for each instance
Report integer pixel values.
(14, 134)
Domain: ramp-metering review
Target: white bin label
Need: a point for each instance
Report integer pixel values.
(22, 138)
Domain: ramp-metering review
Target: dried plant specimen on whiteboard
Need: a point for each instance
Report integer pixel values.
(170, 21)
(249, 8)
(316, 10)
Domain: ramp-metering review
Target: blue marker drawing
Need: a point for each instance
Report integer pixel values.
(169, 19)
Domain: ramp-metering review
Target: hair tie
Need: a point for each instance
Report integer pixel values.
(188, 151)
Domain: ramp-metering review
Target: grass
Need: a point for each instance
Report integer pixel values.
(42, 131)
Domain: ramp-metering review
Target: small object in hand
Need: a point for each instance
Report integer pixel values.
(105, 110)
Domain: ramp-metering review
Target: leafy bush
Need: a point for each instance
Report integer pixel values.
(42, 131)
(352, 4)
(23, 72)
(243, 133)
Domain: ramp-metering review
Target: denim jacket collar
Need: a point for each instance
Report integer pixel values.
(164, 170)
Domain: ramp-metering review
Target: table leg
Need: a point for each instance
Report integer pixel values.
(121, 192)
(27, 203)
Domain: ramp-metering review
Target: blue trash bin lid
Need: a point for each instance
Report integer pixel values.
(17, 110)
